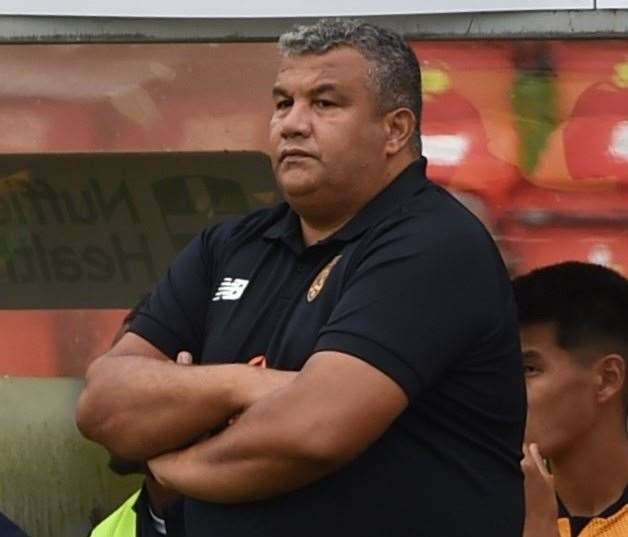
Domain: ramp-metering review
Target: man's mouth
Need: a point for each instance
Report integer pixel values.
(294, 154)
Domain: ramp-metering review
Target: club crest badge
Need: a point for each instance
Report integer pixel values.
(321, 279)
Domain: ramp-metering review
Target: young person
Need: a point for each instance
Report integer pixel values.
(574, 334)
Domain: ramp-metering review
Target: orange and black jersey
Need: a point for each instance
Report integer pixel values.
(612, 522)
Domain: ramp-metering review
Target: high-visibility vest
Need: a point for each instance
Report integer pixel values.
(121, 523)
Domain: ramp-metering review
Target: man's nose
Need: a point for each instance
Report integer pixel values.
(298, 121)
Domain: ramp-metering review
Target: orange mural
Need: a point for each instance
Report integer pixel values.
(589, 148)
(42, 343)
(544, 226)
(531, 134)
(467, 126)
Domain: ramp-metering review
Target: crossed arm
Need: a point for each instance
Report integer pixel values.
(293, 428)
(333, 410)
(139, 404)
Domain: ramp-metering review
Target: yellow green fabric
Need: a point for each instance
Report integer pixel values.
(121, 523)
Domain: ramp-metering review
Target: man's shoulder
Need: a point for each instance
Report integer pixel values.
(434, 234)
(436, 204)
(435, 218)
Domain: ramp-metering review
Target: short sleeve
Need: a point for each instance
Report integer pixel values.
(418, 301)
(173, 319)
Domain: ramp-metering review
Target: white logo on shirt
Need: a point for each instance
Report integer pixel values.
(230, 289)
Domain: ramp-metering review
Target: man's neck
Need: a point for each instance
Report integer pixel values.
(592, 475)
(313, 233)
(316, 230)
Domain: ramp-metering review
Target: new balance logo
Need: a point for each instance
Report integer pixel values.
(230, 289)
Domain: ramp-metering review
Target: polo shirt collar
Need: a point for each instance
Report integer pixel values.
(409, 182)
(286, 226)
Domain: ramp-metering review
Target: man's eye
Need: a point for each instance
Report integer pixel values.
(529, 370)
(323, 103)
(283, 104)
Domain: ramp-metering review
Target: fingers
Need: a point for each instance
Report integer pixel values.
(184, 358)
(533, 462)
(538, 460)
(540, 494)
(528, 464)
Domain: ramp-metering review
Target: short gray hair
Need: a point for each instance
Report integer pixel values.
(394, 69)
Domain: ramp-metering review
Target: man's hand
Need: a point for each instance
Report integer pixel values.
(139, 404)
(540, 495)
(122, 466)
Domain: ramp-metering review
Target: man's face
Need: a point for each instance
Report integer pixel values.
(327, 136)
(561, 392)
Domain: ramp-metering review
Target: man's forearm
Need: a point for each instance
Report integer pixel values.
(233, 480)
(256, 458)
(211, 471)
(139, 407)
(325, 418)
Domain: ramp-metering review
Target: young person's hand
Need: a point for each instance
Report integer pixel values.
(540, 495)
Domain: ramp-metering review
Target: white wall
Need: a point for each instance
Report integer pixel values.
(278, 8)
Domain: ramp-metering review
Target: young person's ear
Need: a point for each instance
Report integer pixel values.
(400, 126)
(611, 374)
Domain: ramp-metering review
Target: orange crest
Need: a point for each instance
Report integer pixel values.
(319, 281)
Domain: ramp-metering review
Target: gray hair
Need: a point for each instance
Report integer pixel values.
(394, 71)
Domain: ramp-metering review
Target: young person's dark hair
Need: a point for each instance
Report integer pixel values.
(587, 303)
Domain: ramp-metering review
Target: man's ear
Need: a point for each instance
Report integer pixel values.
(611, 375)
(400, 125)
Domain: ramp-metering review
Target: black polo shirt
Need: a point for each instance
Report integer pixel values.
(413, 285)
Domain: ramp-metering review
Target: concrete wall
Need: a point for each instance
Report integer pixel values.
(53, 482)
(529, 25)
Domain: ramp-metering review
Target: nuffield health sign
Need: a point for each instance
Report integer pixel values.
(97, 230)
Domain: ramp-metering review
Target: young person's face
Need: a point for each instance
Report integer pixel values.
(561, 392)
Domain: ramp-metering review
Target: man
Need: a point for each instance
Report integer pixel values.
(393, 402)
(574, 331)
